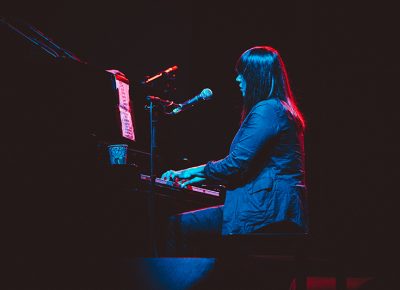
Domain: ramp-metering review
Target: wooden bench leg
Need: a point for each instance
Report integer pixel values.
(301, 281)
(341, 282)
(301, 277)
(340, 275)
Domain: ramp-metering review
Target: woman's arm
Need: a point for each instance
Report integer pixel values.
(261, 126)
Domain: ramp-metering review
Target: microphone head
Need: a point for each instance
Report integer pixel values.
(171, 69)
(206, 94)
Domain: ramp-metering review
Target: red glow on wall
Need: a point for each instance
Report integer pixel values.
(329, 283)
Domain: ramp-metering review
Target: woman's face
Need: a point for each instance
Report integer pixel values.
(242, 84)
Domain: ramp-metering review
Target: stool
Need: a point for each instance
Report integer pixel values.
(289, 248)
(275, 248)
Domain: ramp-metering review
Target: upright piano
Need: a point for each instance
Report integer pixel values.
(57, 117)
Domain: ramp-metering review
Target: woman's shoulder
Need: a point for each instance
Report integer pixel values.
(268, 106)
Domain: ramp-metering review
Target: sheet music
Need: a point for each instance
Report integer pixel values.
(122, 85)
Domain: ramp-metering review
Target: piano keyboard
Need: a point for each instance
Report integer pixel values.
(173, 184)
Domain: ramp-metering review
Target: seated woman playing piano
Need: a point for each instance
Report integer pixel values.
(264, 171)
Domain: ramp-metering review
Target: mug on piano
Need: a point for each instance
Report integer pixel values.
(117, 153)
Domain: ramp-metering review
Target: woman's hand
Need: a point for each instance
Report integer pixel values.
(194, 180)
(185, 176)
(176, 175)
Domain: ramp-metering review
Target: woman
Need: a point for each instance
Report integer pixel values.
(264, 170)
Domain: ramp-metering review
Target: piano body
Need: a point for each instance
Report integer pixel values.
(62, 197)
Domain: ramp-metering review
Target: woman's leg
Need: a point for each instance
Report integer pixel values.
(194, 233)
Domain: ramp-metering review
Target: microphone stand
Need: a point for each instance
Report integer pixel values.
(154, 105)
(151, 196)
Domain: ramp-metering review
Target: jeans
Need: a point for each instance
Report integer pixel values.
(194, 233)
(197, 233)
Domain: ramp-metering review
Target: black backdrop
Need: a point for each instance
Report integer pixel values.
(340, 57)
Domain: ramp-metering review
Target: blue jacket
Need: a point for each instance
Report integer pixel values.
(264, 171)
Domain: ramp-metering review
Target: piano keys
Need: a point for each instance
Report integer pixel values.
(172, 184)
(184, 199)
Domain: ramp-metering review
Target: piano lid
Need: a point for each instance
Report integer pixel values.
(55, 97)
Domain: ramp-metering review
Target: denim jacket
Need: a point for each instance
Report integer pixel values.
(264, 171)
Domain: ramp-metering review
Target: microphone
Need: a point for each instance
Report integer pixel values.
(159, 101)
(164, 72)
(205, 95)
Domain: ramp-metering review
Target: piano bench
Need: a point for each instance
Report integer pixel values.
(279, 252)
(276, 251)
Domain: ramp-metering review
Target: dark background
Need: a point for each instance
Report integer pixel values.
(340, 57)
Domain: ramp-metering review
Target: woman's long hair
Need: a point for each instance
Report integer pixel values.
(265, 75)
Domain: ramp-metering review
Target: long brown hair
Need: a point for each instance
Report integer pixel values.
(265, 75)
